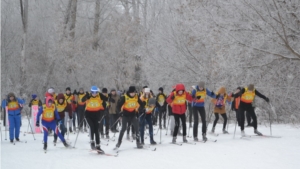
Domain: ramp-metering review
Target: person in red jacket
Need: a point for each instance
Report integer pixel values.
(177, 100)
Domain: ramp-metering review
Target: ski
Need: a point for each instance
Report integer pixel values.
(146, 148)
(188, 143)
(214, 134)
(179, 144)
(267, 136)
(103, 153)
(245, 136)
(105, 144)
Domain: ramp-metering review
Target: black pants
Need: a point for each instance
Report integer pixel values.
(252, 114)
(130, 126)
(105, 118)
(217, 118)
(238, 118)
(113, 123)
(92, 119)
(248, 117)
(201, 111)
(132, 120)
(80, 116)
(162, 116)
(177, 117)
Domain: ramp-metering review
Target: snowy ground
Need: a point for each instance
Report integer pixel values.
(250, 153)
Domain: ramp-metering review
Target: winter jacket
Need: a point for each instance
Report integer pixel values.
(14, 107)
(201, 104)
(113, 106)
(222, 97)
(64, 106)
(180, 106)
(122, 101)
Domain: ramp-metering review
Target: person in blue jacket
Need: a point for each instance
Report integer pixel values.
(199, 94)
(49, 116)
(14, 106)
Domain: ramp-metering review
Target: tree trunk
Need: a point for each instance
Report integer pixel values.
(96, 24)
(73, 19)
(24, 15)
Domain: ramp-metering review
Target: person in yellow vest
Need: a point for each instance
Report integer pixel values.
(128, 107)
(93, 109)
(146, 114)
(35, 101)
(80, 110)
(49, 117)
(14, 106)
(62, 106)
(247, 96)
(70, 98)
(199, 94)
(219, 108)
(161, 105)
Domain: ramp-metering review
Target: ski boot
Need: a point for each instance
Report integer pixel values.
(45, 146)
(70, 129)
(11, 141)
(257, 132)
(174, 140)
(225, 132)
(127, 137)
(99, 150)
(133, 136)
(213, 130)
(17, 139)
(54, 141)
(184, 139)
(93, 145)
(243, 133)
(107, 136)
(66, 144)
(138, 143)
(152, 142)
(204, 138)
(196, 139)
(118, 144)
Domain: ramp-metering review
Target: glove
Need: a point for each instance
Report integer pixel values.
(74, 102)
(75, 92)
(71, 117)
(121, 114)
(267, 100)
(217, 96)
(59, 122)
(37, 124)
(87, 95)
(112, 100)
(172, 97)
(212, 93)
(198, 97)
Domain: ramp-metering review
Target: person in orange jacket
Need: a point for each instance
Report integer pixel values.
(178, 100)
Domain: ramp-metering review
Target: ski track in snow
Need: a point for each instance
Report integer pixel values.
(249, 153)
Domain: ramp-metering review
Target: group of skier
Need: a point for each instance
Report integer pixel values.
(94, 109)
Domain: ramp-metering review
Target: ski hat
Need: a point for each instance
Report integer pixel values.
(194, 87)
(104, 90)
(51, 90)
(33, 96)
(113, 89)
(161, 89)
(131, 89)
(179, 87)
(151, 101)
(49, 100)
(147, 90)
(94, 89)
(145, 87)
(201, 84)
(68, 88)
(60, 96)
(251, 87)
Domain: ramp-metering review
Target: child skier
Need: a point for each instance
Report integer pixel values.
(49, 117)
(145, 115)
(178, 100)
(129, 104)
(93, 109)
(219, 108)
(199, 95)
(14, 106)
(247, 95)
(161, 104)
(35, 101)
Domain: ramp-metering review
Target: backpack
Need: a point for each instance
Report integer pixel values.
(220, 101)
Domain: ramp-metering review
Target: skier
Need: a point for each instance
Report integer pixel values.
(49, 118)
(219, 108)
(178, 100)
(14, 106)
(113, 110)
(80, 110)
(161, 105)
(62, 106)
(35, 101)
(199, 95)
(247, 95)
(70, 98)
(145, 114)
(105, 116)
(129, 104)
(94, 108)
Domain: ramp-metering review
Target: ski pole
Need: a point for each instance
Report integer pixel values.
(1, 131)
(115, 123)
(228, 119)
(168, 125)
(235, 128)
(273, 109)
(30, 124)
(78, 132)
